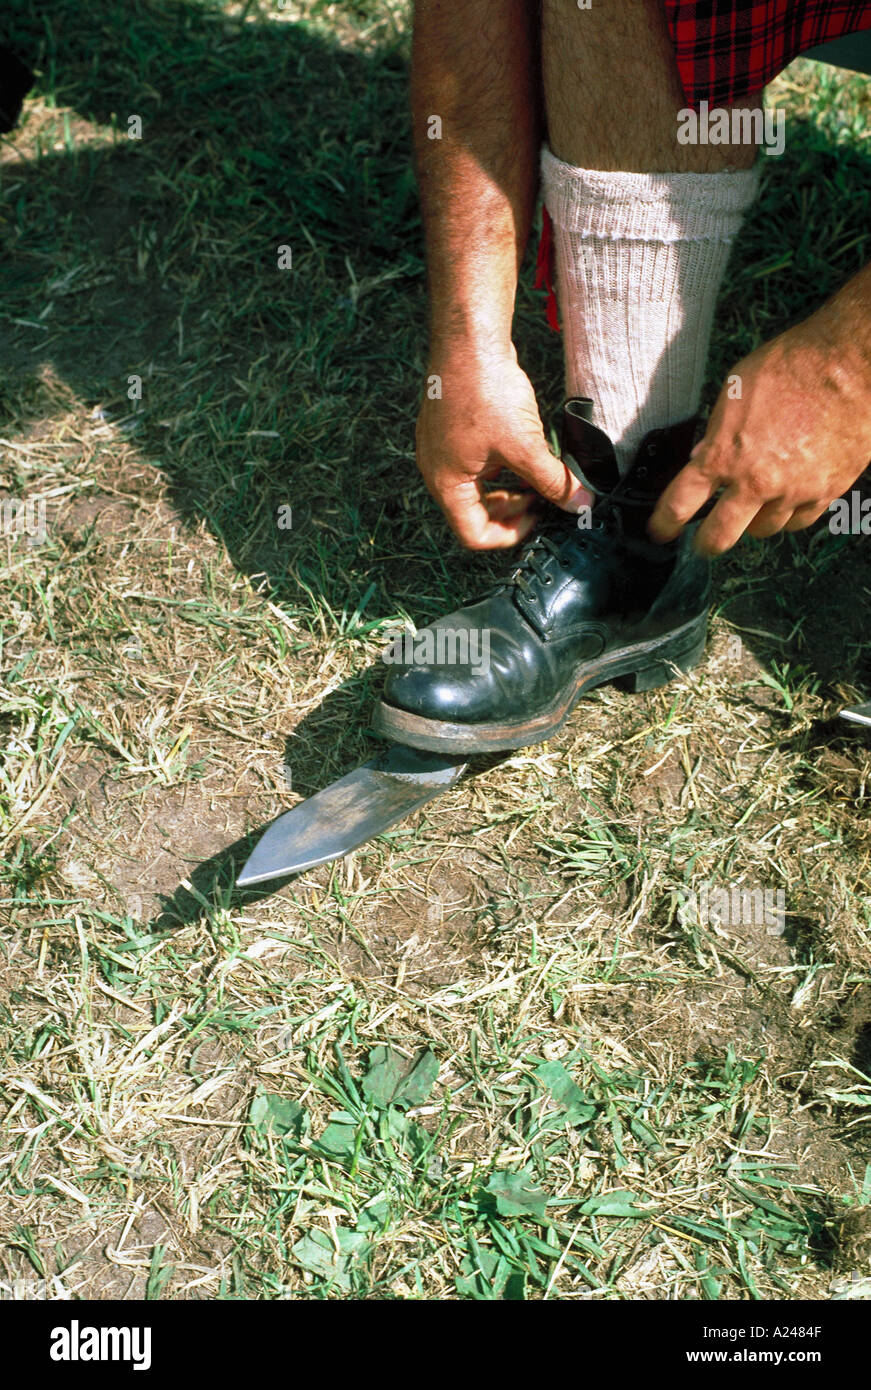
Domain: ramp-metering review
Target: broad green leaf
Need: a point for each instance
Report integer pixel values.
(351, 1242)
(517, 1196)
(615, 1203)
(710, 1285)
(391, 1080)
(409, 1137)
(340, 1136)
(316, 1253)
(554, 1079)
(274, 1113)
(489, 1277)
(374, 1217)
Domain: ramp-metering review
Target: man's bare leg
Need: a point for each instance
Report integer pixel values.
(612, 92)
(643, 224)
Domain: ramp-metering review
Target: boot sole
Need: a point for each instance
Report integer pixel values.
(644, 665)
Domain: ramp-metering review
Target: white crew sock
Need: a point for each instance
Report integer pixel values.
(639, 260)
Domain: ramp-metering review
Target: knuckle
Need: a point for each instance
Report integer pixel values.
(757, 483)
(707, 462)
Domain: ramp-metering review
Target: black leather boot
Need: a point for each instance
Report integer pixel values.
(585, 605)
(16, 81)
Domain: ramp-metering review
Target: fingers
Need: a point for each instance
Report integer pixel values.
(806, 515)
(770, 519)
(727, 522)
(734, 514)
(505, 505)
(495, 535)
(551, 479)
(489, 520)
(483, 520)
(680, 501)
(739, 509)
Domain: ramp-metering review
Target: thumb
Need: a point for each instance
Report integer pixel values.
(550, 477)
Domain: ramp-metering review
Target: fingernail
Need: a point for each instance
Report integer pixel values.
(579, 499)
(696, 448)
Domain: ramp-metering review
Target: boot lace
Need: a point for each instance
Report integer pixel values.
(547, 545)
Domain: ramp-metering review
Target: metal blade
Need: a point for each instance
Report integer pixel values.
(351, 811)
(858, 714)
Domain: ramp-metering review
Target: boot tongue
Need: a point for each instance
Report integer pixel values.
(589, 454)
(624, 505)
(625, 501)
(661, 456)
(586, 450)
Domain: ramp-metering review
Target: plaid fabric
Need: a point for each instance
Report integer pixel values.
(729, 49)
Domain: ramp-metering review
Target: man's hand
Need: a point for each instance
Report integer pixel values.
(797, 438)
(487, 419)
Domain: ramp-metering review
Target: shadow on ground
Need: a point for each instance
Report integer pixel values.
(158, 258)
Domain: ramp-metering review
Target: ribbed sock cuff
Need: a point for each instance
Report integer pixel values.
(646, 207)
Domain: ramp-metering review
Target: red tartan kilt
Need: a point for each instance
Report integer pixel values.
(727, 50)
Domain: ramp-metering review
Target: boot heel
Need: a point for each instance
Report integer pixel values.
(661, 672)
(652, 677)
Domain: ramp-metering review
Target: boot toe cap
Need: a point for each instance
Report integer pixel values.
(447, 695)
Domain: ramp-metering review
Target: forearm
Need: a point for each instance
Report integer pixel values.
(475, 66)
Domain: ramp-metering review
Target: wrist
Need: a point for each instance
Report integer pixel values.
(470, 339)
(839, 331)
(817, 352)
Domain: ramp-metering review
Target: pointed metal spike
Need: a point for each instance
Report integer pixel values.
(857, 714)
(351, 811)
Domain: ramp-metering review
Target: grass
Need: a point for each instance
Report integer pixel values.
(488, 1056)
